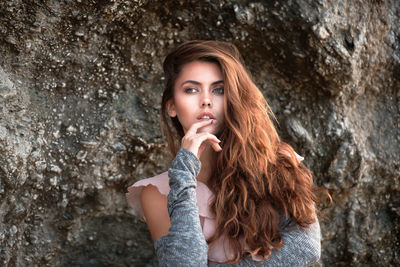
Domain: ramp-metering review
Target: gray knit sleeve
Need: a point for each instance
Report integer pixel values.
(184, 245)
(301, 247)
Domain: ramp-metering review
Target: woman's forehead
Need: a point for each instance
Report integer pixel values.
(200, 71)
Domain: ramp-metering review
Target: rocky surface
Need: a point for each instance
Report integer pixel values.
(80, 87)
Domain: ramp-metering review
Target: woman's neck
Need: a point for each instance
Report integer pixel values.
(207, 160)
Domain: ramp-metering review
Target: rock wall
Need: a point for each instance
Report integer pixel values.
(80, 87)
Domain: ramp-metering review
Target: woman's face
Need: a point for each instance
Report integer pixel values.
(198, 92)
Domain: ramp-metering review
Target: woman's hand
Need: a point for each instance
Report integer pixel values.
(197, 142)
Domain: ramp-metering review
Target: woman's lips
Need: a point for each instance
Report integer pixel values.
(206, 114)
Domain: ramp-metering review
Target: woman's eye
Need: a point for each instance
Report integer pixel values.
(190, 90)
(219, 90)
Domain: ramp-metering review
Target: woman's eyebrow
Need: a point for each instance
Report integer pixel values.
(198, 83)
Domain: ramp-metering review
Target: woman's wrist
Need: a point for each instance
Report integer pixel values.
(186, 160)
(186, 151)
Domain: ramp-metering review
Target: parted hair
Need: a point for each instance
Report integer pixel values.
(258, 180)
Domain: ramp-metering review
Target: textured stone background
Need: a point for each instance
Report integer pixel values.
(80, 87)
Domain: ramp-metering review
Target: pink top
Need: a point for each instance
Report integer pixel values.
(219, 251)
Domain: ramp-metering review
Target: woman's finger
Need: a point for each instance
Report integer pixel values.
(216, 147)
(197, 142)
(195, 126)
(201, 137)
(205, 139)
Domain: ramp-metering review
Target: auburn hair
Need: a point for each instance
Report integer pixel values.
(258, 180)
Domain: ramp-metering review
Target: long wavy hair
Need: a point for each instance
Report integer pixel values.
(257, 180)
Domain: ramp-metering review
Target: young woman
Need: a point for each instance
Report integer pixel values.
(236, 194)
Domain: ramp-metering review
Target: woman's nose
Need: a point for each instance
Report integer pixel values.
(206, 102)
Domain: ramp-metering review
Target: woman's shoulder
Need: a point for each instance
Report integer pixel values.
(159, 181)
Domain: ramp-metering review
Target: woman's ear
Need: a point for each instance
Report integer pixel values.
(171, 108)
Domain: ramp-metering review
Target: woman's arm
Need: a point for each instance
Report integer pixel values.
(184, 245)
(301, 247)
